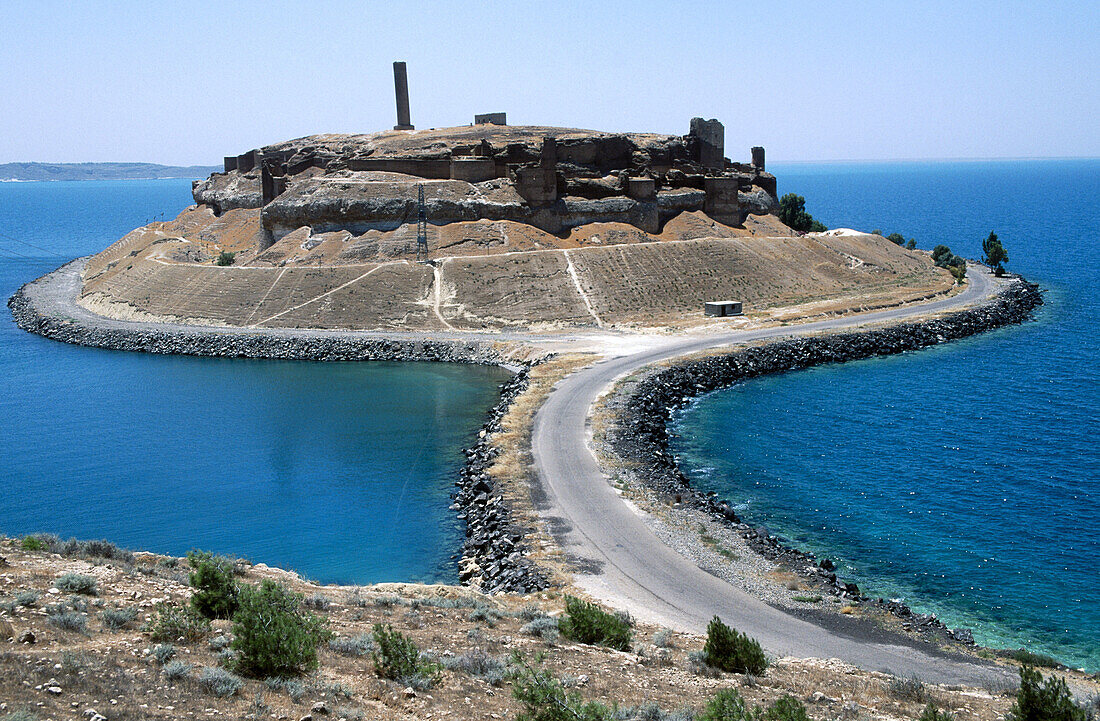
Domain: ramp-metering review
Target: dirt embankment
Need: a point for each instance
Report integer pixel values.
(494, 275)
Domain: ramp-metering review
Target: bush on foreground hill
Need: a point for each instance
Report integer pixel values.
(588, 623)
(271, 635)
(1039, 701)
(225, 258)
(792, 212)
(215, 587)
(728, 705)
(729, 650)
(397, 658)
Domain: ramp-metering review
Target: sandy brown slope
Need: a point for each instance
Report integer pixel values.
(489, 275)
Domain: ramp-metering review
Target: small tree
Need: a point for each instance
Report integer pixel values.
(995, 254)
(911, 245)
(225, 258)
(545, 699)
(588, 623)
(271, 635)
(215, 587)
(729, 650)
(792, 212)
(1038, 701)
(896, 238)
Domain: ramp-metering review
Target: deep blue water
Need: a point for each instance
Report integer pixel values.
(341, 471)
(964, 479)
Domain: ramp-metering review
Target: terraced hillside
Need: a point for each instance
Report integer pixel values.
(601, 275)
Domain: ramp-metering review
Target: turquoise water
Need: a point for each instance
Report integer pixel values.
(963, 479)
(341, 471)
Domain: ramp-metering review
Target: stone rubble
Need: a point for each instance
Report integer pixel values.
(494, 555)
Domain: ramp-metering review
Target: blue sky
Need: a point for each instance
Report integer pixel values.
(185, 83)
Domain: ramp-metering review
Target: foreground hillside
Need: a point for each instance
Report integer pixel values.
(66, 655)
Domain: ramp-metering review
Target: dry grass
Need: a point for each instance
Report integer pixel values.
(111, 672)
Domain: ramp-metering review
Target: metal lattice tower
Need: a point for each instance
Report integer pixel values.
(421, 227)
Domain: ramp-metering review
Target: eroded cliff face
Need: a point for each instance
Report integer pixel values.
(554, 179)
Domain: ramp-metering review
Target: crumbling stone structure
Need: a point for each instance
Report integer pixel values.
(551, 178)
(491, 119)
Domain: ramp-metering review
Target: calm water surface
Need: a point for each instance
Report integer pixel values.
(341, 471)
(963, 479)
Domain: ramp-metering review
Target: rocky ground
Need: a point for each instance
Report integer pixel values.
(86, 669)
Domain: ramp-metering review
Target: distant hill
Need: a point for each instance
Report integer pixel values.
(100, 171)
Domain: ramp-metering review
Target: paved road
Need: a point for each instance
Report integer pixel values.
(630, 567)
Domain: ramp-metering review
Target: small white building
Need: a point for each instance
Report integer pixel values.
(722, 308)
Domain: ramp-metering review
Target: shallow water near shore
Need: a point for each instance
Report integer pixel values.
(341, 471)
(963, 479)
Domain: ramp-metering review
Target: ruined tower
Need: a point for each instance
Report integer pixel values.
(401, 87)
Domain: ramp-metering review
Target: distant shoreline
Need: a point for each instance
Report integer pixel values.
(40, 172)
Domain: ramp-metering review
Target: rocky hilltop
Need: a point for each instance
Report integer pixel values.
(552, 178)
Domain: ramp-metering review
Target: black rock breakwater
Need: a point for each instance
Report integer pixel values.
(640, 432)
(287, 345)
(494, 556)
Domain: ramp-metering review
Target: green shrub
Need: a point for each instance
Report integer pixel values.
(219, 682)
(225, 258)
(911, 245)
(729, 650)
(727, 705)
(271, 635)
(76, 583)
(907, 689)
(163, 652)
(792, 212)
(931, 713)
(293, 688)
(545, 699)
(896, 238)
(69, 621)
(1029, 658)
(480, 664)
(398, 658)
(545, 627)
(215, 586)
(786, 708)
(361, 645)
(117, 618)
(176, 623)
(588, 623)
(26, 599)
(33, 543)
(20, 715)
(1039, 701)
(174, 670)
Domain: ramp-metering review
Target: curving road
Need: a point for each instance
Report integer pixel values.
(627, 565)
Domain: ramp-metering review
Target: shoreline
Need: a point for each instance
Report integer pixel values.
(638, 430)
(497, 546)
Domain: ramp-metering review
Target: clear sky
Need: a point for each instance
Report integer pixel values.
(186, 83)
